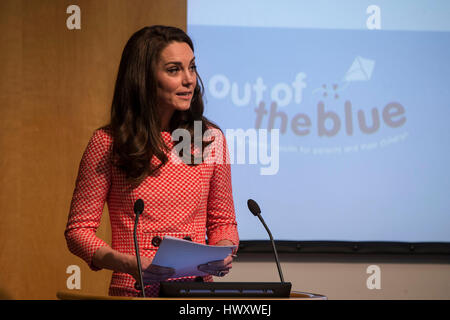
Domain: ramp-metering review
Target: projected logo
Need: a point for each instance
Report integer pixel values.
(333, 116)
(360, 70)
(329, 123)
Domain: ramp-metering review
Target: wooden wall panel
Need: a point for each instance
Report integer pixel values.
(56, 88)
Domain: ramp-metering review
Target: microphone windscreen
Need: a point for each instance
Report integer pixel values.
(138, 206)
(253, 207)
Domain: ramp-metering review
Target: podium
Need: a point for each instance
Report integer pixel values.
(295, 295)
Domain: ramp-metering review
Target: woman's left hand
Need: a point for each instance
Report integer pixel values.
(219, 268)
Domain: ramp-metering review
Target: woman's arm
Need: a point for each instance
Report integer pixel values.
(221, 220)
(89, 197)
(221, 226)
(108, 258)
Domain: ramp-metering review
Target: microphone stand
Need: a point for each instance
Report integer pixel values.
(138, 257)
(273, 246)
(231, 289)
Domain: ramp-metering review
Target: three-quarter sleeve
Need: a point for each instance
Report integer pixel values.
(221, 219)
(91, 190)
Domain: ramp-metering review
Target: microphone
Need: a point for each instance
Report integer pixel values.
(138, 209)
(254, 208)
(188, 289)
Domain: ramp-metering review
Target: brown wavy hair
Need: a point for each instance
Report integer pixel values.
(135, 122)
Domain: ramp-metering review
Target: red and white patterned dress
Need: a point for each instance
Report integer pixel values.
(180, 201)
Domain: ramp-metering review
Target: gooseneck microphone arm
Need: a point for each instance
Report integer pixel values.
(138, 209)
(254, 208)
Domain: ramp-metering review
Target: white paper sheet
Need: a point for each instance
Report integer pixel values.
(185, 256)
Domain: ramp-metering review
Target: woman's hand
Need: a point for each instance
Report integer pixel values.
(154, 273)
(219, 268)
(151, 272)
(108, 258)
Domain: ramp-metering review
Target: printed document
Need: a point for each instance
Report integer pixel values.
(185, 256)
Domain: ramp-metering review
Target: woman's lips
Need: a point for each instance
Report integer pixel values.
(184, 95)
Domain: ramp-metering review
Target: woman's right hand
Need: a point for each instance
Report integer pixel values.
(151, 272)
(108, 258)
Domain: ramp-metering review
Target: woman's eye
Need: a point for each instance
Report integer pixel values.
(193, 67)
(172, 70)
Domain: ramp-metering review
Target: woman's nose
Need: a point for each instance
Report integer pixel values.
(189, 78)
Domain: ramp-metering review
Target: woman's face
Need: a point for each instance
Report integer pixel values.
(176, 78)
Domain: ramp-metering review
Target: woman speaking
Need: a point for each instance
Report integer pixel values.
(157, 91)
